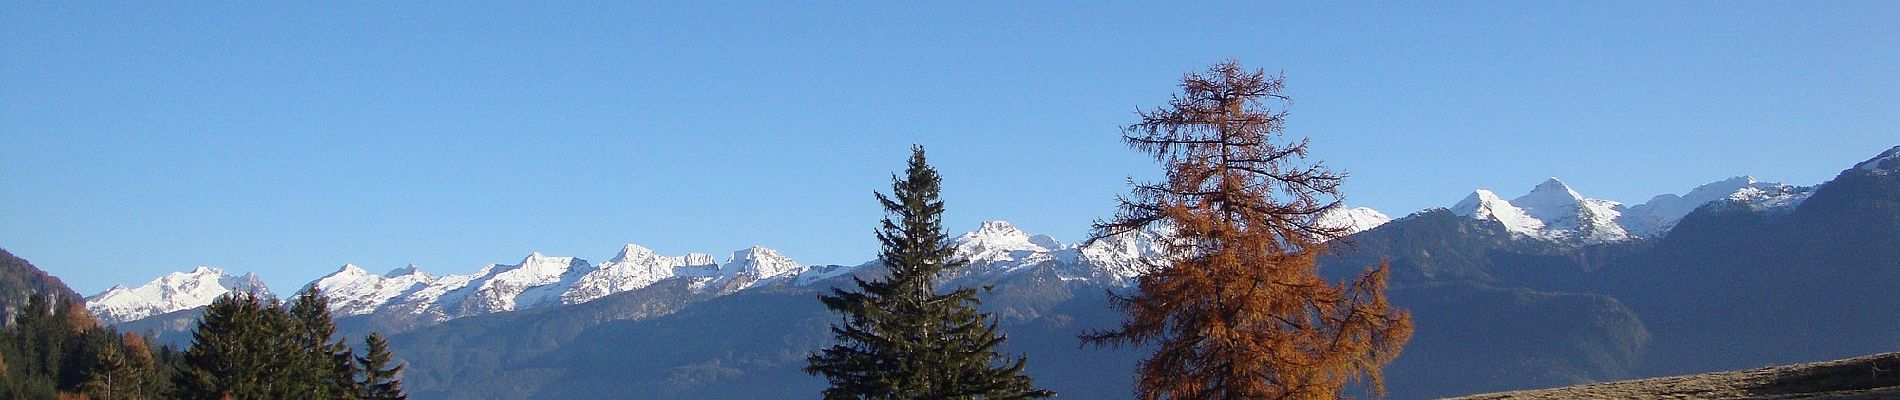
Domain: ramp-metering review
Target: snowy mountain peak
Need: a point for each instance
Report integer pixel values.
(633, 252)
(350, 269)
(1551, 211)
(1552, 184)
(1120, 257)
(1351, 220)
(172, 292)
(753, 251)
(1483, 204)
(354, 291)
(538, 280)
(761, 261)
(1004, 231)
(1000, 241)
(1478, 204)
(1549, 200)
(348, 272)
(1884, 163)
(540, 265)
(998, 228)
(752, 267)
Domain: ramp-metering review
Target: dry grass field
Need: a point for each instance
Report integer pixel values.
(1861, 378)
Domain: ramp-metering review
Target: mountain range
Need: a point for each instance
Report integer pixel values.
(1549, 288)
(1551, 211)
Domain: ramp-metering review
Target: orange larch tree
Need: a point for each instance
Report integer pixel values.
(1238, 310)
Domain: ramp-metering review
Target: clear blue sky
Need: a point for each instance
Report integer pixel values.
(288, 139)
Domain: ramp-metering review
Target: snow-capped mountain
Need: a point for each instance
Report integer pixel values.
(998, 248)
(173, 292)
(1554, 212)
(635, 267)
(534, 281)
(1551, 211)
(1117, 259)
(758, 265)
(1352, 220)
(1485, 204)
(354, 291)
(1660, 213)
(999, 241)
(540, 280)
(994, 248)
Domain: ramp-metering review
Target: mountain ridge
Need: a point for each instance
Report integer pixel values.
(1552, 212)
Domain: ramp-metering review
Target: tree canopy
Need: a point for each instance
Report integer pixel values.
(901, 338)
(1238, 310)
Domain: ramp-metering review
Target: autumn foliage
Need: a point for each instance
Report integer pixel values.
(1240, 311)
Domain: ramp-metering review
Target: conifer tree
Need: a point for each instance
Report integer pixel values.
(325, 368)
(380, 380)
(38, 339)
(1239, 310)
(240, 349)
(144, 366)
(900, 338)
(112, 376)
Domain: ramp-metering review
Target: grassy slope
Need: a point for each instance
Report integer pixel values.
(1870, 377)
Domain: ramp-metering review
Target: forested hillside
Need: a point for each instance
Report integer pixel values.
(19, 281)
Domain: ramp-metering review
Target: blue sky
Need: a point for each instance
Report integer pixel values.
(288, 139)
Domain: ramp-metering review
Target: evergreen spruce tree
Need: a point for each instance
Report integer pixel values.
(324, 366)
(900, 338)
(380, 380)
